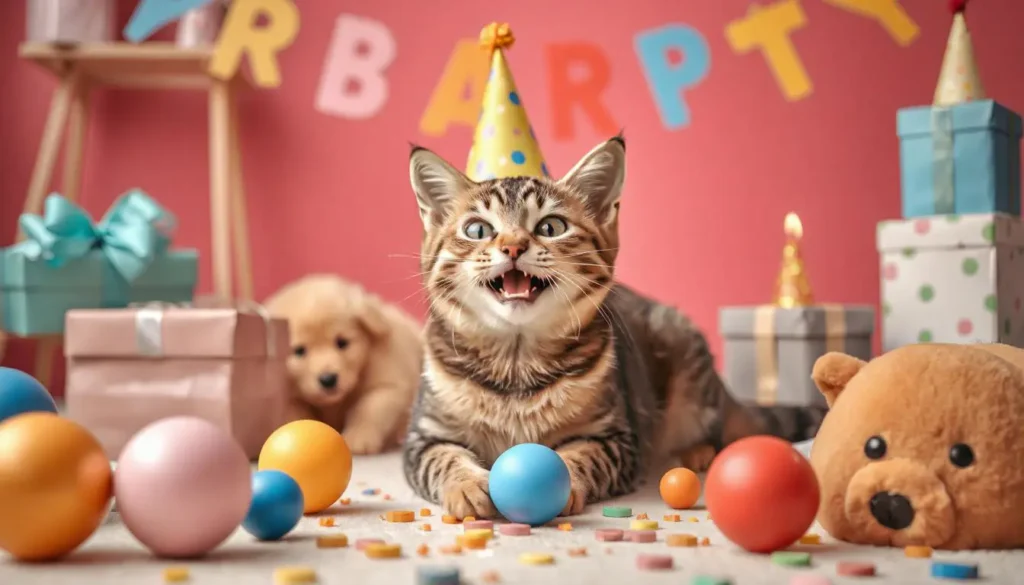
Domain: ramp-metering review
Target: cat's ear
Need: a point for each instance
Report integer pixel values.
(598, 178)
(435, 182)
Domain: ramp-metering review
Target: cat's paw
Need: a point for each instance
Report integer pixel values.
(468, 496)
(577, 501)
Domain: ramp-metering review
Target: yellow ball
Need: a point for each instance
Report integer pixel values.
(55, 486)
(315, 456)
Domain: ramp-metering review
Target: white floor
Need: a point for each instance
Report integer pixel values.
(112, 556)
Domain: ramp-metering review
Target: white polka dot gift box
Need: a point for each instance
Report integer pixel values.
(770, 350)
(952, 279)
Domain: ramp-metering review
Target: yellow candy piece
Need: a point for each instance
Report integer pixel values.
(176, 575)
(643, 525)
(536, 559)
(473, 542)
(383, 551)
(485, 533)
(292, 575)
(332, 541)
(810, 538)
(918, 552)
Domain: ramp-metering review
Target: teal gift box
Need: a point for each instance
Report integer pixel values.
(69, 262)
(961, 159)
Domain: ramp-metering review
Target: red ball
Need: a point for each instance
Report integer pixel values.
(762, 494)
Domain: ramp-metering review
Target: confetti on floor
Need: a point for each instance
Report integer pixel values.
(705, 541)
(425, 512)
(671, 518)
(490, 577)
(400, 516)
(536, 559)
(294, 575)
(383, 551)
(565, 527)
(810, 538)
(332, 541)
(345, 501)
(787, 558)
(641, 516)
(327, 521)
(371, 491)
(423, 550)
(176, 575)
(451, 549)
(918, 552)
(693, 519)
(578, 552)
(425, 527)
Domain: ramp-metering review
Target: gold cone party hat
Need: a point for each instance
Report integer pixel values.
(793, 288)
(959, 81)
(504, 144)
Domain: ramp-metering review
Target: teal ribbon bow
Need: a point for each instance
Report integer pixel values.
(134, 232)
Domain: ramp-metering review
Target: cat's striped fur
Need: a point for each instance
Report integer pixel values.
(592, 369)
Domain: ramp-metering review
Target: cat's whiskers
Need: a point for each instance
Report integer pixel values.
(610, 314)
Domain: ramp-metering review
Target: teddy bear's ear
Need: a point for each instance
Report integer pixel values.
(833, 371)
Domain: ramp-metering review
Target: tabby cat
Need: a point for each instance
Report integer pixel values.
(530, 339)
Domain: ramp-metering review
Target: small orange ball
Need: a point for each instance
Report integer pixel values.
(680, 488)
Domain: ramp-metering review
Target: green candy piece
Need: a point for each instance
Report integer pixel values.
(618, 511)
(705, 580)
(791, 559)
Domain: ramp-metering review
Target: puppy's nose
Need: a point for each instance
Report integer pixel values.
(892, 510)
(328, 381)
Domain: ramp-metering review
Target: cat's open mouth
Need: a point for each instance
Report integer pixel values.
(516, 285)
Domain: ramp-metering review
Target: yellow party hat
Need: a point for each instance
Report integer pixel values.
(503, 144)
(959, 81)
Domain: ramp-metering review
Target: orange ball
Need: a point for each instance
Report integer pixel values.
(315, 456)
(680, 488)
(55, 486)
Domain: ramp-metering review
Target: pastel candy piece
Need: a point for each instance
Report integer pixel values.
(618, 511)
(292, 575)
(608, 534)
(709, 580)
(400, 516)
(954, 570)
(855, 569)
(435, 575)
(536, 559)
(478, 524)
(514, 529)
(918, 552)
(643, 536)
(380, 550)
(654, 562)
(681, 540)
(791, 559)
(644, 525)
(809, 580)
(362, 543)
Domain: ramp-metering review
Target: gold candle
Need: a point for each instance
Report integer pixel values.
(793, 289)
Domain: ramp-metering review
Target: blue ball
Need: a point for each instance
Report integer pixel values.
(21, 393)
(276, 505)
(529, 484)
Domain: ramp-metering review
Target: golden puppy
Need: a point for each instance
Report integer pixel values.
(355, 361)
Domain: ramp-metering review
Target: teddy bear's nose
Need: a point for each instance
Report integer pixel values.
(892, 510)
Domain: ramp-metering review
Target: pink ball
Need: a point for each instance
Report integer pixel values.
(182, 486)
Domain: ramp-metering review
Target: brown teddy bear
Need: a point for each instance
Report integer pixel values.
(923, 445)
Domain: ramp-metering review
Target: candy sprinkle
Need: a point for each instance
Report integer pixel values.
(791, 559)
(954, 571)
(693, 519)
(490, 577)
(918, 552)
(332, 541)
(345, 501)
(371, 491)
(425, 512)
(434, 575)
(643, 525)
(708, 580)
(565, 527)
(854, 569)
(641, 516)
(810, 538)
(617, 512)
(291, 575)
(383, 551)
(327, 521)
(671, 518)
(705, 541)
(176, 574)
(451, 549)
(425, 527)
(400, 516)
(577, 552)
(536, 559)
(681, 540)
(423, 550)
(449, 519)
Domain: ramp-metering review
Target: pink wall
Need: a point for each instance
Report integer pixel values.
(704, 205)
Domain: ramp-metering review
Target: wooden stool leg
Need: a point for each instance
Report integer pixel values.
(49, 146)
(239, 213)
(220, 187)
(74, 143)
(46, 347)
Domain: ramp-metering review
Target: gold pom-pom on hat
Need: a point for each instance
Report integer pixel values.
(496, 35)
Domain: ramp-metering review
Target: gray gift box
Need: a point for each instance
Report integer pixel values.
(769, 351)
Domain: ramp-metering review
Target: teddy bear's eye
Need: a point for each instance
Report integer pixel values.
(961, 455)
(341, 343)
(875, 447)
(299, 350)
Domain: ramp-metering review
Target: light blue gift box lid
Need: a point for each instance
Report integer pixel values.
(983, 163)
